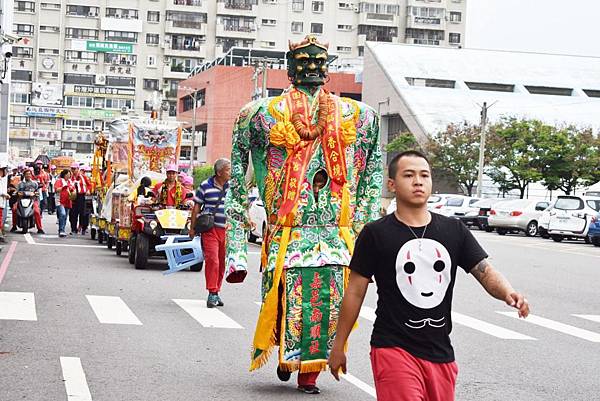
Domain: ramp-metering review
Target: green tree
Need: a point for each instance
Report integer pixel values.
(515, 152)
(202, 173)
(456, 153)
(571, 159)
(403, 142)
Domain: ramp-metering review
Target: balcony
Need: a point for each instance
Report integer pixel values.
(186, 27)
(236, 31)
(187, 50)
(421, 41)
(174, 72)
(232, 7)
(426, 23)
(378, 19)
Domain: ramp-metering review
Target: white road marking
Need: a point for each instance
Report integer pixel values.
(205, 316)
(488, 328)
(368, 313)
(112, 310)
(593, 318)
(29, 239)
(17, 306)
(360, 384)
(75, 381)
(557, 326)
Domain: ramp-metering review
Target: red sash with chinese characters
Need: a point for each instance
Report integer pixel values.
(298, 159)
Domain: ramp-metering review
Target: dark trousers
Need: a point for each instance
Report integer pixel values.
(78, 213)
(51, 203)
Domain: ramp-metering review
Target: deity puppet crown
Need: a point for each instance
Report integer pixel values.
(308, 40)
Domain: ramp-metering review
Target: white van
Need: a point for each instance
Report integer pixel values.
(571, 217)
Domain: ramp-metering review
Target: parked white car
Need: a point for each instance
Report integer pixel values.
(544, 221)
(517, 215)
(435, 200)
(571, 217)
(457, 205)
(258, 220)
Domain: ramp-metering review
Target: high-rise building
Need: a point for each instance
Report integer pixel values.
(80, 63)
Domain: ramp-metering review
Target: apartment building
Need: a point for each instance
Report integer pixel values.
(80, 63)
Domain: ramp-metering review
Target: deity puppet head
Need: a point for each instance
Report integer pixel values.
(307, 62)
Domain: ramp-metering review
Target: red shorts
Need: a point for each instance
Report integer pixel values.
(399, 376)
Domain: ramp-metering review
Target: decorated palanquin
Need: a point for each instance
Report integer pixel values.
(153, 145)
(304, 133)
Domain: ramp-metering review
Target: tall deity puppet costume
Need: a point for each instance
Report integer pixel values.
(317, 165)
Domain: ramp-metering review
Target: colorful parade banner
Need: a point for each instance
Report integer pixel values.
(153, 145)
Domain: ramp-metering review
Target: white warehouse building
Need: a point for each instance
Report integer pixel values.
(423, 89)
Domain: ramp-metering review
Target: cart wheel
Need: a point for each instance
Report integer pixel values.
(110, 241)
(93, 233)
(197, 267)
(131, 250)
(119, 248)
(142, 249)
(100, 237)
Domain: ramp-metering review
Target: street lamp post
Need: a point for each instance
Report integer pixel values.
(193, 131)
(484, 110)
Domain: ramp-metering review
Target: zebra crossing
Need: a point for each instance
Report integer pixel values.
(114, 310)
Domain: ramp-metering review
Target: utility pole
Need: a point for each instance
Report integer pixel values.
(193, 131)
(260, 67)
(484, 110)
(264, 78)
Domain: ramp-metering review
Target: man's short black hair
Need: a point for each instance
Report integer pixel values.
(393, 165)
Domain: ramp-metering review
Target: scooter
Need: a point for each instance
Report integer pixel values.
(25, 219)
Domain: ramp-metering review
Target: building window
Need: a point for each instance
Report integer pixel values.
(19, 121)
(120, 81)
(79, 101)
(120, 59)
(454, 38)
(269, 22)
(431, 83)
(22, 52)
(23, 29)
(318, 6)
(344, 6)
(297, 27)
(122, 13)
(79, 79)
(361, 51)
(50, 6)
(82, 11)
(316, 27)
(49, 51)
(75, 55)
(21, 75)
(297, 5)
(48, 28)
(455, 16)
(153, 16)
(78, 33)
(78, 124)
(25, 6)
(22, 98)
(344, 27)
(152, 38)
(267, 44)
(120, 36)
(377, 8)
(151, 61)
(118, 104)
(344, 49)
(151, 84)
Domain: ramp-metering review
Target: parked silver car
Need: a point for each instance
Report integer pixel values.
(517, 215)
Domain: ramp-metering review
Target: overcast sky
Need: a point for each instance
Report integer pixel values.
(549, 26)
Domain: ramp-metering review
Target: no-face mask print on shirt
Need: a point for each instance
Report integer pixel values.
(423, 268)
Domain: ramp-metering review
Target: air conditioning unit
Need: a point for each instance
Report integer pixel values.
(356, 9)
(91, 14)
(167, 60)
(97, 125)
(100, 79)
(124, 110)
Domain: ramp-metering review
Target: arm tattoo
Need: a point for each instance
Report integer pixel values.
(481, 267)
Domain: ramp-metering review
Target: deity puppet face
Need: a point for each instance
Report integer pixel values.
(307, 62)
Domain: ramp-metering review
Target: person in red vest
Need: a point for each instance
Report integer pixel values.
(170, 192)
(83, 187)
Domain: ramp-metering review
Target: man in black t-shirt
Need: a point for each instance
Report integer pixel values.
(413, 256)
